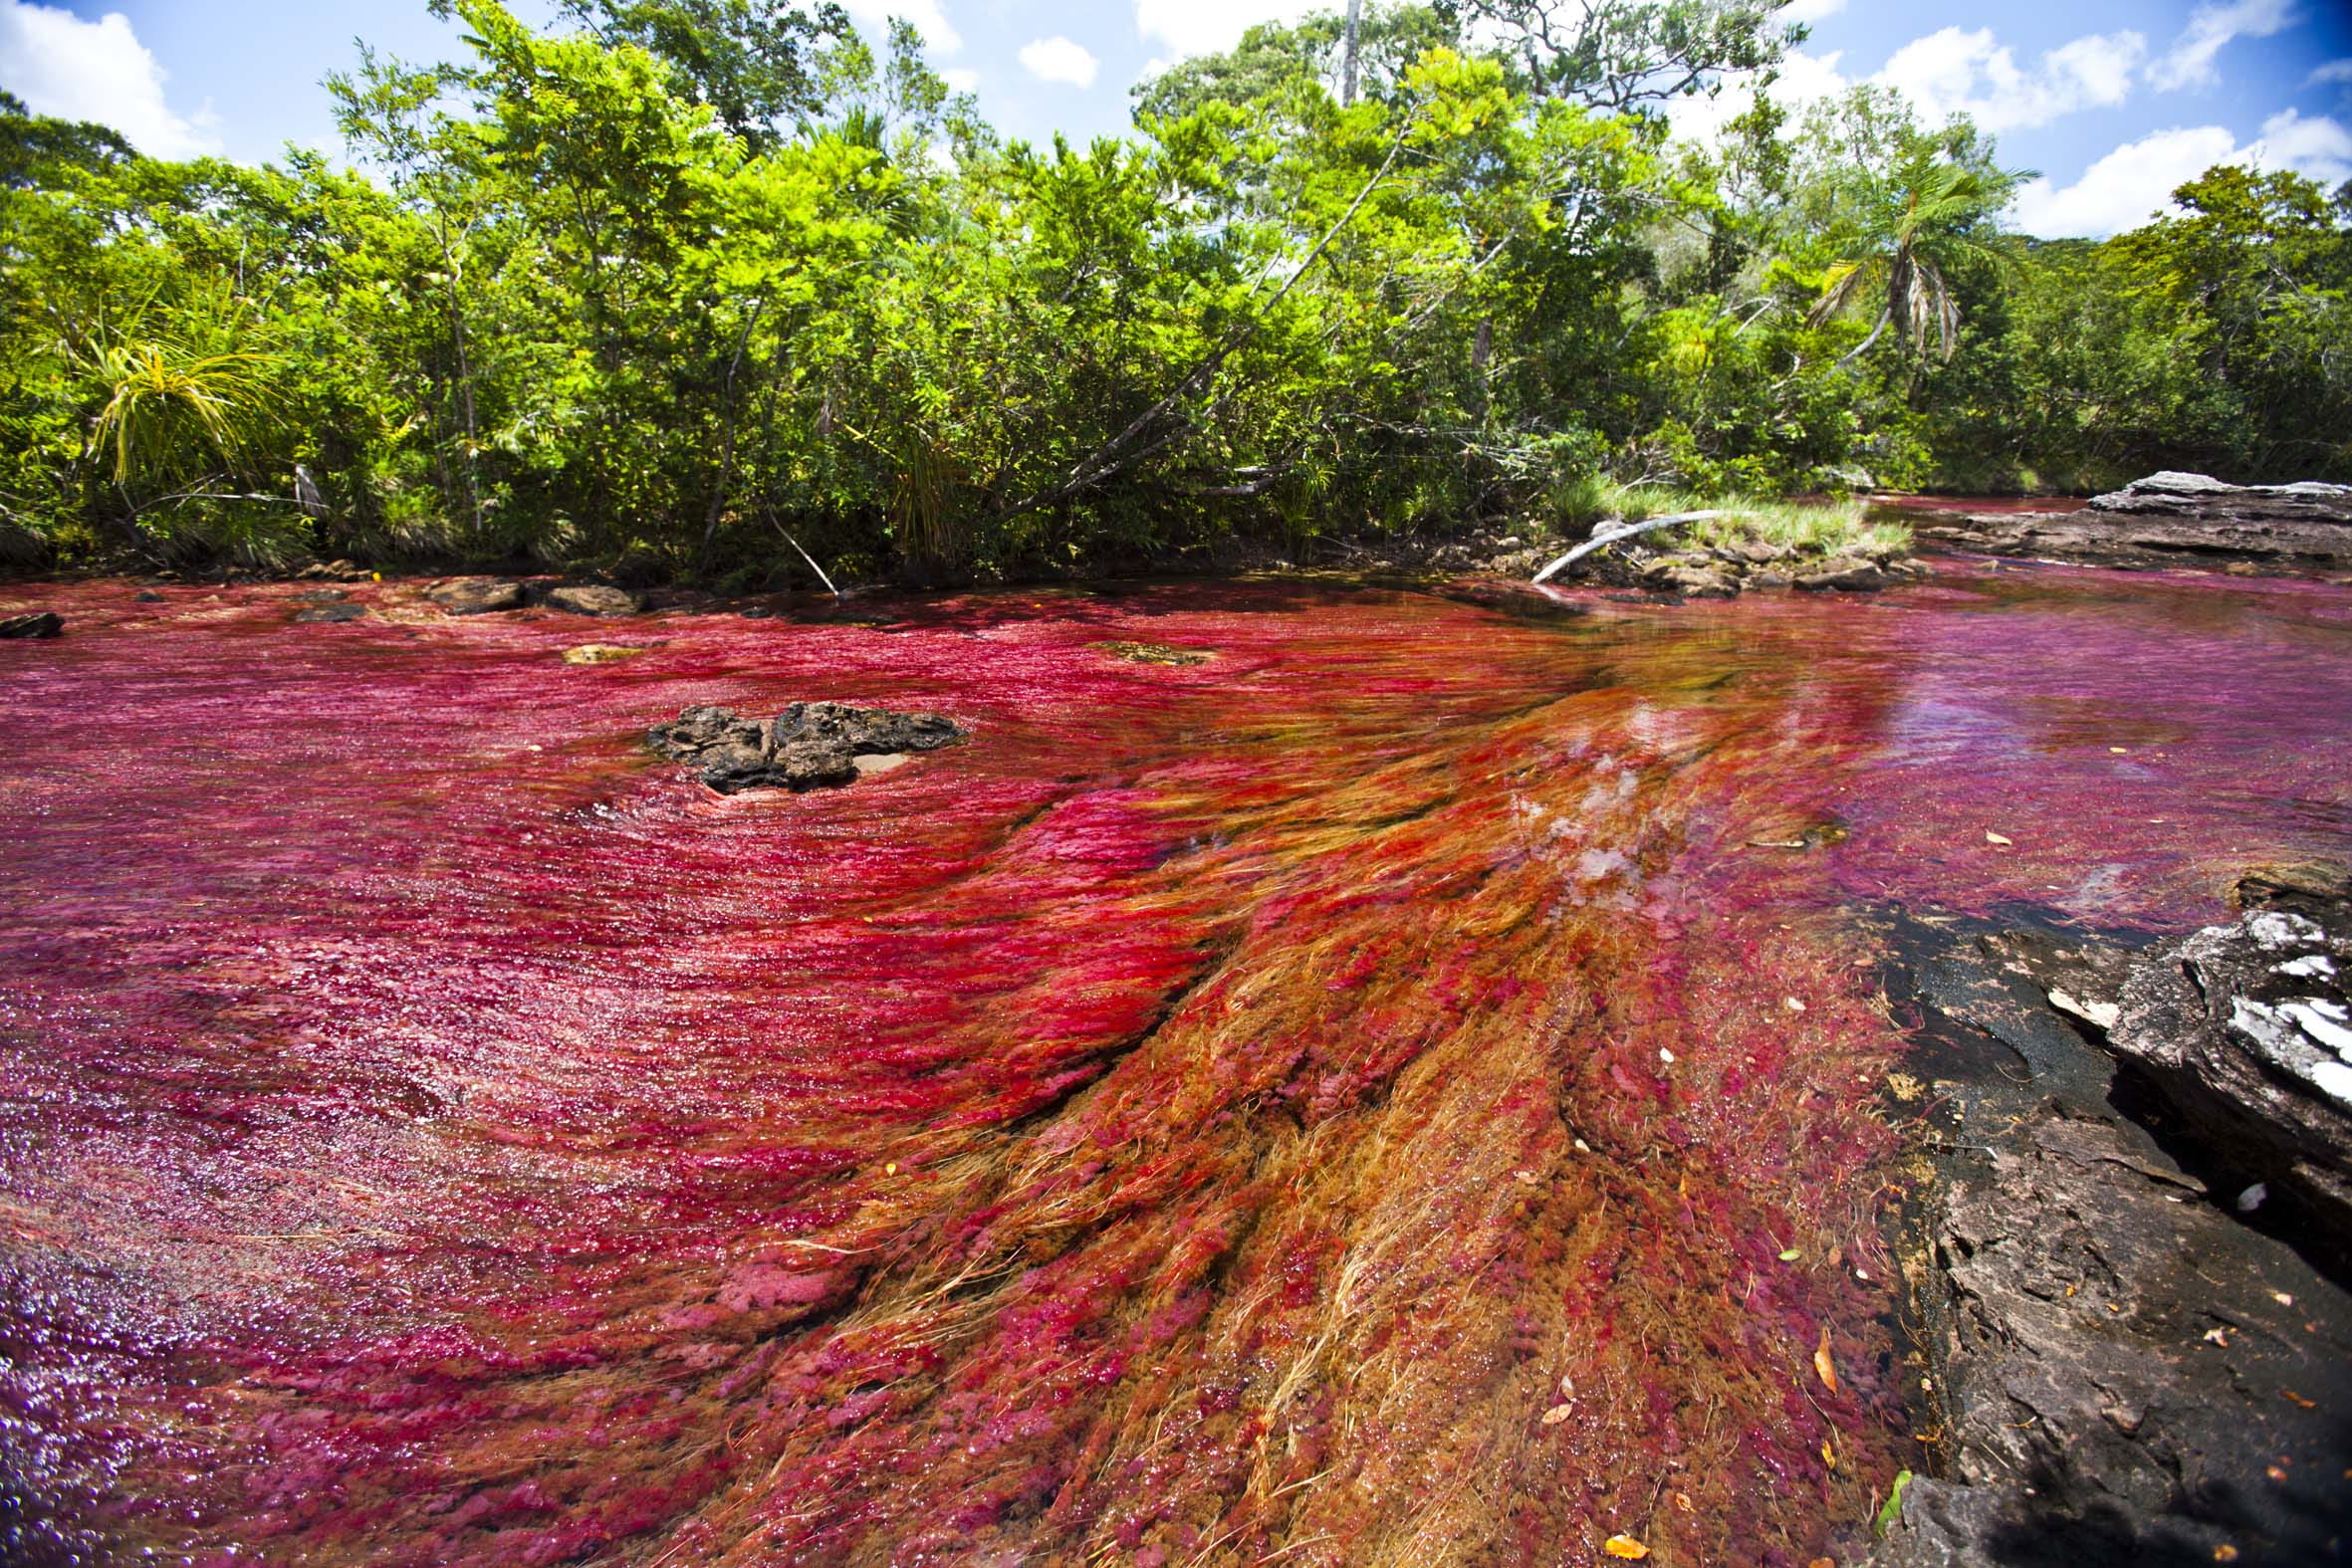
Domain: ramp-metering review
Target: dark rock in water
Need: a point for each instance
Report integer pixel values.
(2174, 518)
(331, 614)
(45, 624)
(476, 595)
(2118, 1368)
(2132, 1377)
(808, 745)
(596, 599)
(321, 597)
(2246, 1030)
(147, 596)
(1153, 653)
(1844, 573)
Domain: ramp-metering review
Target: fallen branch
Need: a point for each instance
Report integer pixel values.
(1603, 541)
(805, 556)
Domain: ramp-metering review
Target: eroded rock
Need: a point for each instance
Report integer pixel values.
(44, 623)
(476, 595)
(2117, 1368)
(808, 745)
(594, 600)
(2169, 518)
(2248, 1030)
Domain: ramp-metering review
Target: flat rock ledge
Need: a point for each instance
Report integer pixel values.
(1721, 571)
(2127, 1277)
(808, 745)
(2172, 520)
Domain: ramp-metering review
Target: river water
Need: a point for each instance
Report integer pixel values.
(1408, 1088)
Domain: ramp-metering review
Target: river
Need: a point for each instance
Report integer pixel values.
(1409, 1087)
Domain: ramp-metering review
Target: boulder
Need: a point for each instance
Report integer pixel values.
(330, 614)
(594, 600)
(2246, 1030)
(1843, 573)
(476, 595)
(808, 745)
(1702, 582)
(43, 623)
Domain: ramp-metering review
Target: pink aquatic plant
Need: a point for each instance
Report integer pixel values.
(1406, 1085)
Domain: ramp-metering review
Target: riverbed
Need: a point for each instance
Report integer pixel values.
(1407, 1085)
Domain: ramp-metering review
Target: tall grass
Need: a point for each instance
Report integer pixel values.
(1823, 528)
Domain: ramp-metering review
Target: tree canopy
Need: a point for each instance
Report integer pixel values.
(689, 286)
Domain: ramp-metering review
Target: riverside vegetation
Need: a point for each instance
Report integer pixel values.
(714, 289)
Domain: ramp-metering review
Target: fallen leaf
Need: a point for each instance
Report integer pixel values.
(1828, 1456)
(1557, 1413)
(1995, 838)
(2297, 1399)
(1791, 1255)
(1625, 1546)
(2224, 1553)
(1793, 1005)
(1682, 1501)
(1822, 1562)
(1822, 1364)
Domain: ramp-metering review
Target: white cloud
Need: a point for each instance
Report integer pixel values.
(1953, 70)
(1059, 59)
(2136, 182)
(926, 15)
(959, 79)
(2319, 147)
(2335, 71)
(1811, 10)
(62, 66)
(2212, 27)
(1804, 79)
(1200, 27)
(2126, 187)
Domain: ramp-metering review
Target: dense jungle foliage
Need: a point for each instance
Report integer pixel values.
(686, 286)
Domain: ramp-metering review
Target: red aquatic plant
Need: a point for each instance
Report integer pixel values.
(1405, 1088)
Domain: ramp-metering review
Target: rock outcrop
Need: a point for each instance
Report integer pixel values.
(476, 595)
(2169, 519)
(2246, 1029)
(44, 623)
(808, 745)
(594, 600)
(2120, 1363)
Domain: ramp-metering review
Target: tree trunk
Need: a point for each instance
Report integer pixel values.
(1347, 55)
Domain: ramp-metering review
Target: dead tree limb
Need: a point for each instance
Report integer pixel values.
(1603, 541)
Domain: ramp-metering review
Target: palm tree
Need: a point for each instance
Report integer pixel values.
(1933, 214)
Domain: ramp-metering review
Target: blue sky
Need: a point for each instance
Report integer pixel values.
(2115, 102)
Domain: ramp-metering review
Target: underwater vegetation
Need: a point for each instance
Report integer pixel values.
(1399, 1086)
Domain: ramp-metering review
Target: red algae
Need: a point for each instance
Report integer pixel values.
(1404, 1088)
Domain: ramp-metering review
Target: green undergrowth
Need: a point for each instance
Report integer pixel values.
(1826, 527)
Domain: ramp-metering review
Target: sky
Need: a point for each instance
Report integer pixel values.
(2113, 101)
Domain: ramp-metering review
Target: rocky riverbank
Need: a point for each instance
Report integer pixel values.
(2171, 520)
(2127, 1269)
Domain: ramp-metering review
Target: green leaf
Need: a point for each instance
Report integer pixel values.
(1892, 1509)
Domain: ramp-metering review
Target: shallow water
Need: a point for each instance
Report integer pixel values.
(1344, 1103)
